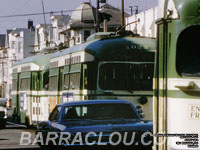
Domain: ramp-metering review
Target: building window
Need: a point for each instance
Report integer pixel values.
(59, 37)
(86, 34)
(20, 47)
(12, 44)
(42, 37)
(77, 37)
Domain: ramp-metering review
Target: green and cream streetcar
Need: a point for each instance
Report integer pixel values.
(177, 76)
(29, 96)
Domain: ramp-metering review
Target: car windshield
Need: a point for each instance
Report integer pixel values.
(99, 112)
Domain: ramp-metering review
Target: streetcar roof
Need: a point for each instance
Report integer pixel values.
(86, 102)
(70, 50)
(40, 59)
(107, 46)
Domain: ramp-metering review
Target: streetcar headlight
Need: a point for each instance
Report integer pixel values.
(143, 100)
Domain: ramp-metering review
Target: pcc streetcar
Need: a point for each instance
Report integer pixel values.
(107, 66)
(177, 76)
(29, 92)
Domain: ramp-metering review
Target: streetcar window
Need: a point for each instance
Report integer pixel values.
(53, 83)
(188, 52)
(45, 80)
(90, 76)
(117, 76)
(33, 110)
(25, 84)
(66, 81)
(34, 82)
(72, 81)
(14, 84)
(75, 80)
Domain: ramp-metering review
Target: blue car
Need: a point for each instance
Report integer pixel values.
(95, 123)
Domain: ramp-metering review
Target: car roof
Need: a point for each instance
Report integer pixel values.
(85, 102)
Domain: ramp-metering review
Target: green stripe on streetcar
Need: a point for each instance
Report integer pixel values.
(180, 94)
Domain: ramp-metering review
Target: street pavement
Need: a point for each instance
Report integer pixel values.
(11, 135)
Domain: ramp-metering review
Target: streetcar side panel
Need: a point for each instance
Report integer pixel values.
(176, 83)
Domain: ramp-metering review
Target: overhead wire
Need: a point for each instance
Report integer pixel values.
(41, 13)
(34, 14)
(21, 7)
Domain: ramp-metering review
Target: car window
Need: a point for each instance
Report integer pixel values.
(99, 111)
(55, 114)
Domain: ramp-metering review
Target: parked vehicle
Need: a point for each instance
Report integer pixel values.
(3, 112)
(96, 123)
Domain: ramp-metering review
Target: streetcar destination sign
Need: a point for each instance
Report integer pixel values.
(194, 111)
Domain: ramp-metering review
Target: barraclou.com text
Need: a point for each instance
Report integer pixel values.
(66, 139)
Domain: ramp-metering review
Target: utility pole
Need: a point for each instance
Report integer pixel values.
(45, 24)
(97, 16)
(3, 87)
(122, 14)
(3, 71)
(136, 9)
(136, 12)
(2, 79)
(43, 12)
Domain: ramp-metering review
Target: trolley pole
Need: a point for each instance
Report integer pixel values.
(122, 13)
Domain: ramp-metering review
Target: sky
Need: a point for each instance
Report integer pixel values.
(8, 8)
